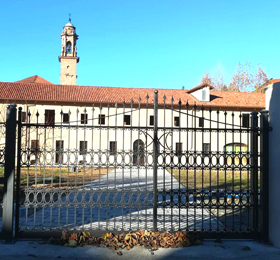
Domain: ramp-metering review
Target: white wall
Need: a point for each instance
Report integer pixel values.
(100, 139)
(268, 92)
(274, 169)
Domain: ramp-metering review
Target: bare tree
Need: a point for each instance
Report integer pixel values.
(242, 79)
(219, 81)
(207, 79)
(260, 78)
(216, 82)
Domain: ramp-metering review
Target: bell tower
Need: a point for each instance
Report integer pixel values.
(68, 57)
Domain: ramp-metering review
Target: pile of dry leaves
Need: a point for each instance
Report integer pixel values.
(148, 239)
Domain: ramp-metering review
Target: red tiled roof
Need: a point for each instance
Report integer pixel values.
(262, 87)
(35, 79)
(274, 81)
(81, 95)
(199, 87)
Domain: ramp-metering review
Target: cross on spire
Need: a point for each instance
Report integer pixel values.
(69, 17)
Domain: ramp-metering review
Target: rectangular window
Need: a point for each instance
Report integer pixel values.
(65, 118)
(84, 119)
(178, 149)
(35, 146)
(35, 149)
(126, 119)
(206, 148)
(49, 117)
(176, 121)
(151, 120)
(23, 117)
(113, 147)
(245, 120)
(203, 95)
(101, 119)
(83, 147)
(59, 144)
(201, 122)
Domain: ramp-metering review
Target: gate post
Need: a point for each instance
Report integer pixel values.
(264, 167)
(18, 172)
(9, 173)
(254, 170)
(155, 155)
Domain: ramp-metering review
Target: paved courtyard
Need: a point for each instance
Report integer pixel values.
(120, 200)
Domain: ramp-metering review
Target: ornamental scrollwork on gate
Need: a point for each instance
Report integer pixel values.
(161, 141)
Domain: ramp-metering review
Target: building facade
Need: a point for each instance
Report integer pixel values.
(110, 119)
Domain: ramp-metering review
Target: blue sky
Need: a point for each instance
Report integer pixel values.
(147, 43)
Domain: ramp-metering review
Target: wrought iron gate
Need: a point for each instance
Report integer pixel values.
(165, 166)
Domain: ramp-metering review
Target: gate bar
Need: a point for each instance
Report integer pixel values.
(264, 167)
(9, 174)
(18, 173)
(155, 147)
(254, 172)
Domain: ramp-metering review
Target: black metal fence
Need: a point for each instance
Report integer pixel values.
(136, 166)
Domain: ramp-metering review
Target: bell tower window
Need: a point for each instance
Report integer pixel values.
(68, 47)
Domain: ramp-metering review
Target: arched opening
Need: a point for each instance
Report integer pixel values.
(236, 153)
(68, 47)
(138, 152)
(235, 147)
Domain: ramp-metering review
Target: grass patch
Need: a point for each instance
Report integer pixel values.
(55, 178)
(213, 180)
(60, 177)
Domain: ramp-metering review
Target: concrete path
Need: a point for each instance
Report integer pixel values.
(233, 250)
(120, 200)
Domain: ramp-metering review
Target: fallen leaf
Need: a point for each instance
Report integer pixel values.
(86, 234)
(72, 243)
(149, 239)
(73, 236)
(64, 235)
(127, 237)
